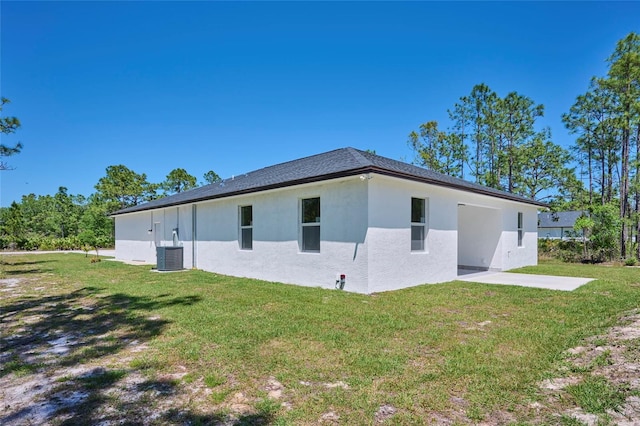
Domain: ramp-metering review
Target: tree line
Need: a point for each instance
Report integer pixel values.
(490, 139)
(494, 141)
(65, 222)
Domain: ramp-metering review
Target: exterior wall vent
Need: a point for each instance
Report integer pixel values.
(169, 258)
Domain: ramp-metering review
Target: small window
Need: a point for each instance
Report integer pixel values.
(418, 224)
(310, 223)
(520, 229)
(246, 227)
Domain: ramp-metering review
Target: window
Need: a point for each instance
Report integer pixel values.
(310, 224)
(418, 224)
(246, 227)
(520, 229)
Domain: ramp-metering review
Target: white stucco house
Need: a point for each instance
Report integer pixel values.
(381, 223)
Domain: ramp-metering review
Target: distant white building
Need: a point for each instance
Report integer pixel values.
(558, 225)
(380, 223)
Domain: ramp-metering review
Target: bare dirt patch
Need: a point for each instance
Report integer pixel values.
(603, 374)
(83, 358)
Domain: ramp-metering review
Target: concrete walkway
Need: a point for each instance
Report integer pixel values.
(525, 280)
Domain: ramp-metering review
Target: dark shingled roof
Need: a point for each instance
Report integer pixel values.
(558, 219)
(329, 165)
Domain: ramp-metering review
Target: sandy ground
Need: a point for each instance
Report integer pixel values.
(614, 356)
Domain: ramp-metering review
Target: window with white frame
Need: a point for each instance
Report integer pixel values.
(418, 223)
(246, 227)
(520, 229)
(310, 224)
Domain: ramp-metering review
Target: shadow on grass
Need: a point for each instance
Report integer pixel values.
(188, 418)
(3, 261)
(23, 266)
(132, 412)
(50, 347)
(27, 271)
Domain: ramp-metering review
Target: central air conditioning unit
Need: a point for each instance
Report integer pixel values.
(169, 258)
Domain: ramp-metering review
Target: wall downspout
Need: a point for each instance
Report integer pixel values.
(194, 228)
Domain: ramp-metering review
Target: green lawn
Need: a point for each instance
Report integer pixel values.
(459, 350)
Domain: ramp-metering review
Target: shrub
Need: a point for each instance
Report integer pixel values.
(631, 261)
(5, 242)
(30, 243)
(47, 244)
(105, 242)
(34, 242)
(565, 250)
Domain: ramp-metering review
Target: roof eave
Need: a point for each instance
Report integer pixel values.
(295, 182)
(346, 173)
(505, 195)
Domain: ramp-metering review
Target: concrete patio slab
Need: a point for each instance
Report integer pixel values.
(524, 280)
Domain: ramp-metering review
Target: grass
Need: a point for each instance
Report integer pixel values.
(596, 395)
(103, 379)
(19, 368)
(422, 350)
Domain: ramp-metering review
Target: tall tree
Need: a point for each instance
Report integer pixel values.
(592, 118)
(496, 139)
(40, 217)
(636, 189)
(607, 122)
(437, 150)
(8, 125)
(461, 118)
(68, 212)
(178, 180)
(624, 81)
(211, 177)
(571, 195)
(95, 219)
(476, 109)
(543, 167)
(13, 221)
(517, 118)
(122, 187)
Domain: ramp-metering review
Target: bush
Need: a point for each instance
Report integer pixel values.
(105, 242)
(5, 242)
(564, 250)
(631, 261)
(48, 244)
(29, 243)
(34, 242)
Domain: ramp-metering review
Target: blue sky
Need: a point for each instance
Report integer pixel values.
(234, 87)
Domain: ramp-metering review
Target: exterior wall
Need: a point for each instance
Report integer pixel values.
(479, 235)
(487, 226)
(483, 212)
(558, 233)
(512, 255)
(135, 242)
(276, 254)
(553, 233)
(392, 264)
(365, 233)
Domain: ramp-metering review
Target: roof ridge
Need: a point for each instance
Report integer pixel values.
(357, 155)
